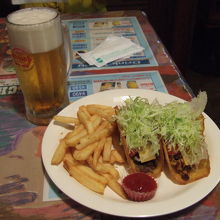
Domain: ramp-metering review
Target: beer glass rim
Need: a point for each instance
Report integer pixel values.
(33, 8)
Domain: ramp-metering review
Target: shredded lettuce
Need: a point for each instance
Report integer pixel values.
(137, 118)
(177, 123)
(198, 104)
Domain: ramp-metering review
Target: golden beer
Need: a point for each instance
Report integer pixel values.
(39, 57)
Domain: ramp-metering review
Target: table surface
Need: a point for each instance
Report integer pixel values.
(22, 174)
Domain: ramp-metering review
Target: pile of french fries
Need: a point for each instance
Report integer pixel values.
(90, 150)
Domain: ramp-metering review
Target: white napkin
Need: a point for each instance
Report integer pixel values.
(112, 48)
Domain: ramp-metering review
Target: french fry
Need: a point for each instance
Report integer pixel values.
(112, 159)
(89, 151)
(98, 150)
(83, 117)
(93, 110)
(76, 130)
(94, 137)
(96, 121)
(59, 153)
(66, 119)
(92, 174)
(110, 111)
(89, 161)
(74, 140)
(100, 160)
(98, 106)
(69, 161)
(84, 109)
(115, 186)
(85, 152)
(104, 124)
(103, 168)
(69, 157)
(111, 170)
(85, 180)
(107, 149)
(116, 157)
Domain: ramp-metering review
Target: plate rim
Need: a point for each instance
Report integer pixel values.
(133, 205)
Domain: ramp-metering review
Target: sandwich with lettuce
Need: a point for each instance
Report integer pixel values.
(167, 138)
(139, 135)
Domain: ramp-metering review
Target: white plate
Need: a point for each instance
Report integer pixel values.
(169, 196)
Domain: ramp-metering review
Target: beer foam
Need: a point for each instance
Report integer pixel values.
(31, 16)
(35, 30)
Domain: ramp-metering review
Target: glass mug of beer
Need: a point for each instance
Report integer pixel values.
(37, 37)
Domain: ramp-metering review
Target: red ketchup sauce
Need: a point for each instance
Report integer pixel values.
(139, 186)
(140, 182)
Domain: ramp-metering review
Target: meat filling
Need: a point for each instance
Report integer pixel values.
(148, 166)
(178, 164)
